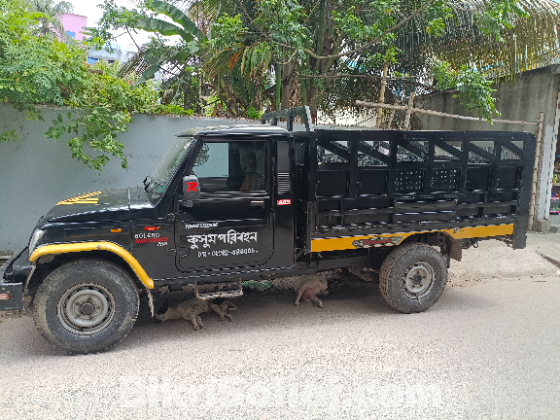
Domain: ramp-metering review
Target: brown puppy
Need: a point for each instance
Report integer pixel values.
(308, 287)
(192, 309)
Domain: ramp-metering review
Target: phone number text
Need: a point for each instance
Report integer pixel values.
(227, 252)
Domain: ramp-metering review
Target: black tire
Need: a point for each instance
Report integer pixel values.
(412, 277)
(86, 306)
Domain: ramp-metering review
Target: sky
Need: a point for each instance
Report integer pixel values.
(89, 8)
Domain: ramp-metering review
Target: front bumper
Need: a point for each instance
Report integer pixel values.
(13, 276)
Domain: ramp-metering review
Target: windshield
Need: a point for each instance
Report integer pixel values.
(156, 184)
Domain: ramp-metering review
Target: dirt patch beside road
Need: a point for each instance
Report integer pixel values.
(493, 259)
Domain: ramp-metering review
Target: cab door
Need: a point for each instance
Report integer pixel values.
(230, 225)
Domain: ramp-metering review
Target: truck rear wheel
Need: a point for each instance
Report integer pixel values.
(413, 277)
(86, 306)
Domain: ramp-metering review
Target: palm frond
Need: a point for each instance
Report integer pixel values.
(532, 42)
(135, 65)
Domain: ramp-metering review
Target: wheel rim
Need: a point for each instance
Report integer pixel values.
(86, 309)
(419, 279)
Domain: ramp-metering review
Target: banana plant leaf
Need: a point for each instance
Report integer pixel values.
(178, 16)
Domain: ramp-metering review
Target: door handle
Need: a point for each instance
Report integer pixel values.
(257, 204)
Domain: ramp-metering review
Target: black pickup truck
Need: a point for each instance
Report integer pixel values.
(239, 203)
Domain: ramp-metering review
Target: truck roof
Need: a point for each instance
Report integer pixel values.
(256, 130)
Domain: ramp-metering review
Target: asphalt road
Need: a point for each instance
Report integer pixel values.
(489, 349)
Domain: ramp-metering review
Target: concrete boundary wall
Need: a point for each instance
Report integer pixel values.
(36, 173)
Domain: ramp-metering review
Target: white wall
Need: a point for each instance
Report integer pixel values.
(36, 172)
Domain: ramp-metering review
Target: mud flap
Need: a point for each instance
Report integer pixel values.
(454, 248)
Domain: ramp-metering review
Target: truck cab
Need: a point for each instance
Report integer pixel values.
(242, 215)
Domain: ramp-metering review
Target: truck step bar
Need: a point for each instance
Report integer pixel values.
(201, 292)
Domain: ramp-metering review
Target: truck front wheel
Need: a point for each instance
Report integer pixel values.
(86, 306)
(413, 277)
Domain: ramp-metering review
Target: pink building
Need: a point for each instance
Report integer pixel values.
(74, 25)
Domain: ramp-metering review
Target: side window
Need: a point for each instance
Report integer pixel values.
(238, 167)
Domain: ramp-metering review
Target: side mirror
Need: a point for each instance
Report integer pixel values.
(191, 187)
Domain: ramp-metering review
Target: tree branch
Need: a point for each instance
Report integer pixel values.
(283, 63)
(372, 42)
(452, 6)
(311, 11)
(249, 17)
(133, 40)
(367, 76)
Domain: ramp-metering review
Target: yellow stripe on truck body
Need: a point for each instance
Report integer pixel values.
(96, 246)
(392, 239)
(81, 199)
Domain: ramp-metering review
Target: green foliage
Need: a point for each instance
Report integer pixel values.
(475, 91)
(213, 102)
(283, 22)
(177, 15)
(105, 105)
(254, 114)
(315, 48)
(497, 17)
(360, 29)
(255, 60)
(114, 17)
(8, 135)
(343, 37)
(42, 70)
(227, 33)
(184, 27)
(222, 65)
(176, 61)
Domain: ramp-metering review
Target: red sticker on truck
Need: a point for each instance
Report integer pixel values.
(284, 202)
(377, 241)
(148, 240)
(192, 186)
(150, 237)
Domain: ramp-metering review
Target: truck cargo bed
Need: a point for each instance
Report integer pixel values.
(355, 182)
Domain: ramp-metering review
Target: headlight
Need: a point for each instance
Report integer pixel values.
(36, 237)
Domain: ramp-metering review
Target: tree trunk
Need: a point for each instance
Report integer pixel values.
(287, 72)
(185, 96)
(278, 76)
(382, 95)
(313, 112)
(258, 95)
(286, 93)
(312, 102)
